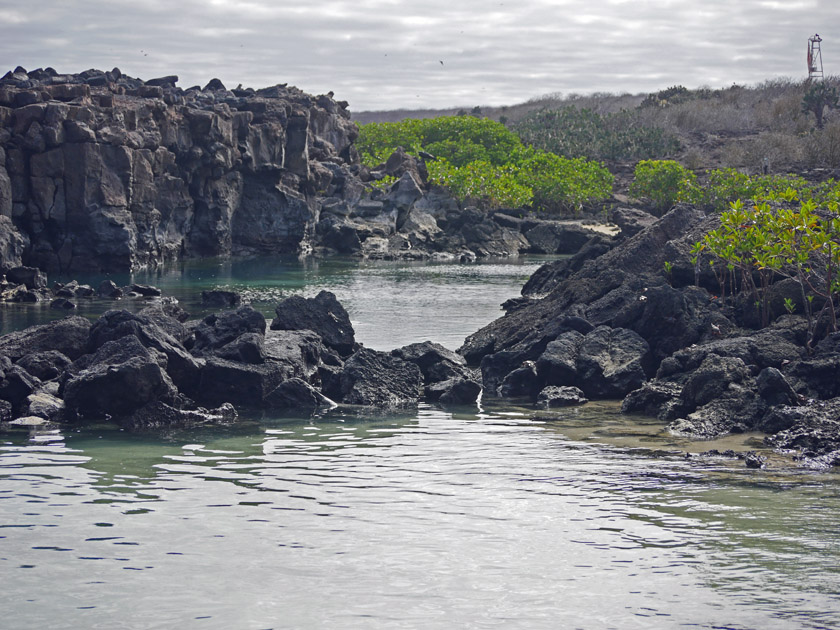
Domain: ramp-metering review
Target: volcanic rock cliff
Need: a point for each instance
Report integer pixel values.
(101, 171)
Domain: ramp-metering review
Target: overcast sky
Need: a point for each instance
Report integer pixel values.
(388, 54)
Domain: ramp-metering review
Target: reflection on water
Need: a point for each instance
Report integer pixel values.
(390, 303)
(433, 519)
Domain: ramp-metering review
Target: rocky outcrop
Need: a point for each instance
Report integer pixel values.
(446, 377)
(612, 324)
(103, 171)
(155, 369)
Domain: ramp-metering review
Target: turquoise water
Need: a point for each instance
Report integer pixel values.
(490, 516)
(388, 302)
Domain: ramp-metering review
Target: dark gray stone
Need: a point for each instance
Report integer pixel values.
(566, 396)
(378, 379)
(322, 314)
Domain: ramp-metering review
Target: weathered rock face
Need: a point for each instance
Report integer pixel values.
(322, 314)
(379, 379)
(102, 171)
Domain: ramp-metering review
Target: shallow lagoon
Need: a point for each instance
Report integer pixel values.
(482, 517)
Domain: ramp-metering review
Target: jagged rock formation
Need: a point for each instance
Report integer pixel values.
(152, 369)
(611, 324)
(101, 171)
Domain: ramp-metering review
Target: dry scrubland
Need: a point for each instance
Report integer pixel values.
(743, 127)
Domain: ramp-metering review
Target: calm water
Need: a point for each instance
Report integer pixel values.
(485, 517)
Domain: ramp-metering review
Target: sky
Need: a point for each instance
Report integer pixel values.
(393, 54)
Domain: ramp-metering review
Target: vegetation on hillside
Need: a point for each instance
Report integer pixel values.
(743, 127)
(573, 132)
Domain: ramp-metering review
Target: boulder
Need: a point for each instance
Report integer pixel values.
(813, 429)
(521, 382)
(45, 405)
(436, 362)
(109, 289)
(378, 379)
(169, 317)
(322, 314)
(68, 336)
(17, 385)
(631, 221)
(181, 366)
(220, 329)
(45, 365)
(712, 379)
(295, 393)
(32, 277)
(660, 399)
(557, 365)
(300, 352)
(611, 362)
(556, 237)
(242, 384)
(454, 391)
(118, 379)
(246, 348)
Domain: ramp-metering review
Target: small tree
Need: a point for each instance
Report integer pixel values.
(817, 98)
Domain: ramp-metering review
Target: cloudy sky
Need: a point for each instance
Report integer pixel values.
(388, 54)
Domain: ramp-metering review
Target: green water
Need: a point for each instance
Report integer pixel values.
(490, 516)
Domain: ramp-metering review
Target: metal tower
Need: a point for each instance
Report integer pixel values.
(815, 67)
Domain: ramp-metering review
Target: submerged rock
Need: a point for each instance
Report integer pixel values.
(554, 396)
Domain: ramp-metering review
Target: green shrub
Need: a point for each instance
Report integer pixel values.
(482, 162)
(664, 182)
(758, 240)
(728, 185)
(482, 183)
(561, 184)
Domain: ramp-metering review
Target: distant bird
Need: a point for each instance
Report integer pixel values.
(715, 328)
(426, 156)
(441, 63)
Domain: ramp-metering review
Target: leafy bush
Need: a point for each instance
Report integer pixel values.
(560, 183)
(574, 132)
(458, 139)
(664, 182)
(482, 183)
(756, 241)
(728, 185)
(481, 161)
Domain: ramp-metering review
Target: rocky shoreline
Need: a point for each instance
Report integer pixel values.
(613, 324)
(157, 369)
(104, 172)
(606, 323)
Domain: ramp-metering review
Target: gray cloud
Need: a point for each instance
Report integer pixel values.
(383, 54)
